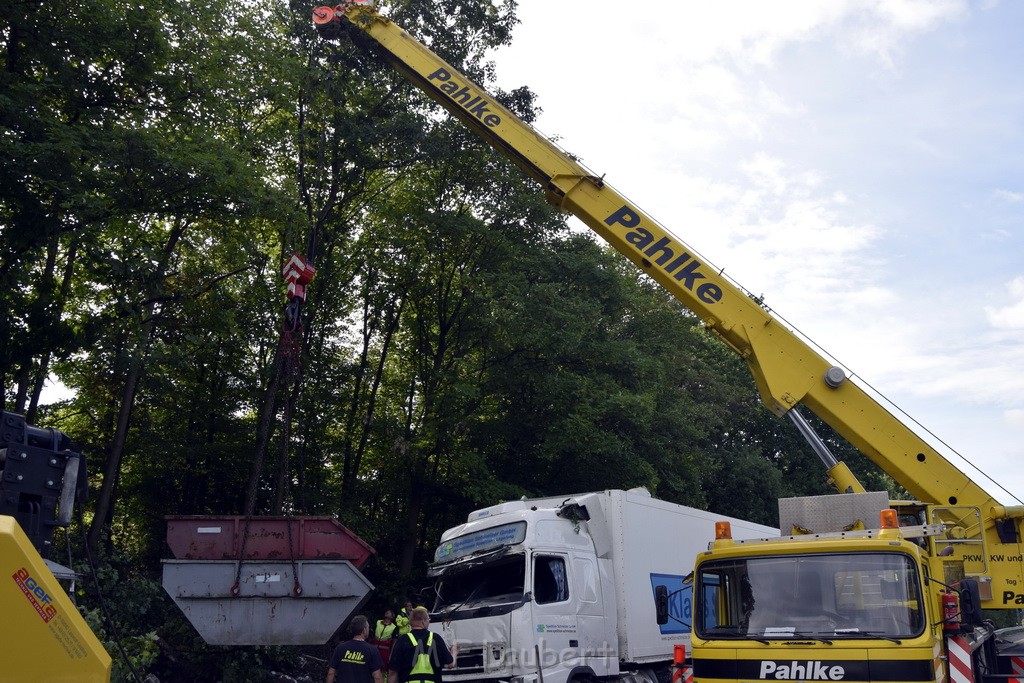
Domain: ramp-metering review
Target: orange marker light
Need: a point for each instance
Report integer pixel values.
(678, 653)
(889, 519)
(723, 530)
(323, 15)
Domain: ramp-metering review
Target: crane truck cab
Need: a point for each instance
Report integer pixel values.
(874, 602)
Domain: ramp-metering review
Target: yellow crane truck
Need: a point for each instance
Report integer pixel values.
(854, 590)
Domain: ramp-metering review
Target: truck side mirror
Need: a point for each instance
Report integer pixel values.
(970, 602)
(661, 604)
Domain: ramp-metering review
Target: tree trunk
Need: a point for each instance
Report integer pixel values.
(283, 469)
(105, 504)
(264, 429)
(410, 537)
(353, 457)
(43, 371)
(21, 382)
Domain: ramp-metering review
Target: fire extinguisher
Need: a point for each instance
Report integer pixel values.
(951, 612)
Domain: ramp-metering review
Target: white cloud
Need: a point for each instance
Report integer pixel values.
(688, 81)
(753, 31)
(971, 376)
(998, 235)
(1011, 316)
(838, 157)
(1008, 196)
(798, 231)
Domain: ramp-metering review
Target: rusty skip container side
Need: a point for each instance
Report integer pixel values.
(204, 537)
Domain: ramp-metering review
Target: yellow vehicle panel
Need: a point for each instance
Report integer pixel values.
(43, 636)
(798, 660)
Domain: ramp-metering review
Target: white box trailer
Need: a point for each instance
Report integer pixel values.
(563, 589)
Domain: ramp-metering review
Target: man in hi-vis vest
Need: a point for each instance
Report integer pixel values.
(419, 656)
(402, 618)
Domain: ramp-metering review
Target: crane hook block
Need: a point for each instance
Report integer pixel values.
(297, 272)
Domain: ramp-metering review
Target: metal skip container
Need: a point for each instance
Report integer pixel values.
(265, 580)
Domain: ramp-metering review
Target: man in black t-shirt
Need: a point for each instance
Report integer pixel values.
(355, 660)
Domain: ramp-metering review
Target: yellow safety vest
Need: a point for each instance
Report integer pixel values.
(422, 668)
(384, 631)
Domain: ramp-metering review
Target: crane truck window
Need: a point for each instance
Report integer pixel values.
(834, 595)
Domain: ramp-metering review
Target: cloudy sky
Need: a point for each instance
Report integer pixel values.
(860, 164)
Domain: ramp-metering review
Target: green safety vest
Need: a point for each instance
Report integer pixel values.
(422, 668)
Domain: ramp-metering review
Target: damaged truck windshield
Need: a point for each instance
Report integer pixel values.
(493, 582)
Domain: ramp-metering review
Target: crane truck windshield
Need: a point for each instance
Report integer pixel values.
(827, 595)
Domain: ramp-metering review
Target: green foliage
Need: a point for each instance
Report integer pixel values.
(123, 610)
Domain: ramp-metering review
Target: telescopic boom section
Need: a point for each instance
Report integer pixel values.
(787, 371)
